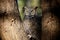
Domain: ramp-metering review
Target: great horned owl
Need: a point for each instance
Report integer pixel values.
(31, 23)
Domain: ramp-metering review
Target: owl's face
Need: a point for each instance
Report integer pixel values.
(30, 11)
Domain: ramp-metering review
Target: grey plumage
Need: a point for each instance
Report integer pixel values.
(31, 24)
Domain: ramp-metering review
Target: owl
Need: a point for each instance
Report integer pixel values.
(31, 23)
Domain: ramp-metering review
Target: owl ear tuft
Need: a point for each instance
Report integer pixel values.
(35, 7)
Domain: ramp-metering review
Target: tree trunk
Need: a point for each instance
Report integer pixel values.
(50, 20)
(10, 23)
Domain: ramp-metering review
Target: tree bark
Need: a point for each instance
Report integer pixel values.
(10, 23)
(50, 20)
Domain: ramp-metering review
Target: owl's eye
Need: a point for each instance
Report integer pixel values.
(27, 12)
(33, 12)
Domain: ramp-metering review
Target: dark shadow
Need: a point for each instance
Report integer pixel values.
(38, 26)
(0, 38)
(56, 11)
